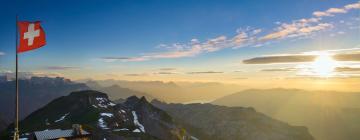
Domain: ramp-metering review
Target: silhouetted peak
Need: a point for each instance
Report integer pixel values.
(143, 99)
(88, 93)
(135, 101)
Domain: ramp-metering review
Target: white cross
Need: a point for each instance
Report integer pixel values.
(31, 34)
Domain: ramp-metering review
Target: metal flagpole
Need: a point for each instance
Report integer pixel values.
(16, 133)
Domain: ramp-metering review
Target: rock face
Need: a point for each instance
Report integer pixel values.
(212, 122)
(134, 119)
(34, 93)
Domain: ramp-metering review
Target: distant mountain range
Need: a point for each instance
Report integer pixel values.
(116, 92)
(176, 92)
(212, 122)
(34, 93)
(329, 115)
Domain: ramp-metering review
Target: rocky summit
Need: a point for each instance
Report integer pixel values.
(134, 119)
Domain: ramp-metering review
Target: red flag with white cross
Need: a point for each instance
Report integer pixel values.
(32, 36)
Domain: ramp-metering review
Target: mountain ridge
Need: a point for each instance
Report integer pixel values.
(136, 118)
(213, 122)
(321, 111)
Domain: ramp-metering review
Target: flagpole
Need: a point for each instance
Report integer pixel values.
(16, 133)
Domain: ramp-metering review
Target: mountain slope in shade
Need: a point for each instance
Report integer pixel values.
(212, 122)
(134, 119)
(34, 93)
(329, 115)
(3, 124)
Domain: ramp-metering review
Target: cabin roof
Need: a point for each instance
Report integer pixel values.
(56, 133)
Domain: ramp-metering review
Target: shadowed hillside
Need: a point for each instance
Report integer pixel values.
(328, 115)
(34, 93)
(212, 122)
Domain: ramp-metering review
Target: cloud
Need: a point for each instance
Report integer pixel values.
(256, 31)
(29, 74)
(336, 10)
(279, 69)
(164, 73)
(280, 59)
(332, 11)
(299, 28)
(339, 55)
(347, 57)
(321, 14)
(205, 72)
(167, 69)
(62, 68)
(123, 59)
(346, 69)
(353, 6)
(2, 53)
(136, 74)
(308, 26)
(111, 75)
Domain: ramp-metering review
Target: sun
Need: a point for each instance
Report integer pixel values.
(324, 65)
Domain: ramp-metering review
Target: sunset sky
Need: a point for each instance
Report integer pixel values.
(258, 43)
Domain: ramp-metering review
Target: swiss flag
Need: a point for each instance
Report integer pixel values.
(32, 36)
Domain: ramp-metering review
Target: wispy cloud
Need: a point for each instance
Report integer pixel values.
(62, 68)
(205, 72)
(347, 57)
(164, 73)
(123, 59)
(244, 37)
(280, 59)
(347, 69)
(279, 69)
(136, 74)
(167, 69)
(2, 53)
(333, 11)
(338, 55)
(29, 74)
(298, 28)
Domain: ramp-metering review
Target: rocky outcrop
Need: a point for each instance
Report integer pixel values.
(134, 119)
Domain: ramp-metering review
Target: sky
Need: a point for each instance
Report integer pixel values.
(254, 43)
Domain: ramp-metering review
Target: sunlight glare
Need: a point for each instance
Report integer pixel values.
(324, 65)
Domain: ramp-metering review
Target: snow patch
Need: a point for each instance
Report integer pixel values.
(107, 115)
(136, 131)
(111, 104)
(104, 103)
(102, 124)
(193, 138)
(137, 123)
(122, 129)
(62, 117)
